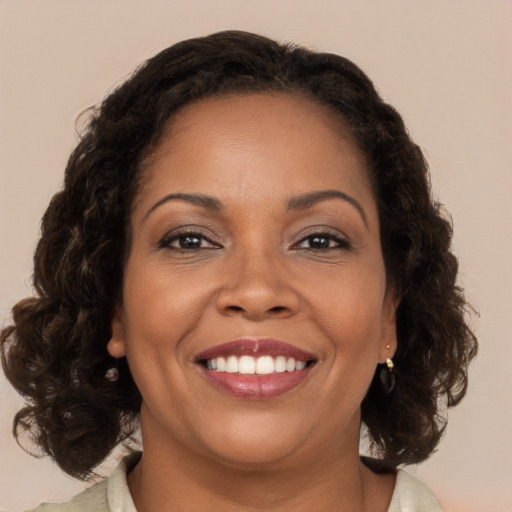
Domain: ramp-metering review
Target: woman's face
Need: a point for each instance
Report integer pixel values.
(255, 250)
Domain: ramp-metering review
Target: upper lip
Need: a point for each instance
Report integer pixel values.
(255, 347)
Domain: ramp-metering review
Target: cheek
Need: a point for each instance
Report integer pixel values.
(156, 300)
(348, 311)
(348, 300)
(159, 312)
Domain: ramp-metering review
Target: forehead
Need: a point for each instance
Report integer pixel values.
(270, 143)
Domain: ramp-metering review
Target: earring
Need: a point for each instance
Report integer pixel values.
(387, 377)
(112, 374)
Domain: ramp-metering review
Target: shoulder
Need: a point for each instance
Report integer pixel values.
(411, 495)
(108, 495)
(94, 498)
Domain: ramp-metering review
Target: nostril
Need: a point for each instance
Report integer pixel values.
(235, 308)
(277, 309)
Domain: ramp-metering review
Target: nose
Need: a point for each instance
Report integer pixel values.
(257, 287)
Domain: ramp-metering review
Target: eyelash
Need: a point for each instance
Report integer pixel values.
(166, 242)
(340, 243)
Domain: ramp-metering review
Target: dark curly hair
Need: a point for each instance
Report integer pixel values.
(55, 353)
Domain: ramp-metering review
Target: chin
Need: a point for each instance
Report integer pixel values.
(247, 456)
(262, 443)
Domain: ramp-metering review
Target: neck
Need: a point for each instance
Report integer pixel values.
(171, 477)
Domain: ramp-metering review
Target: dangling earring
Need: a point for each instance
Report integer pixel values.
(387, 377)
(112, 374)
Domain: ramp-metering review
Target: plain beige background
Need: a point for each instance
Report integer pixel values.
(446, 65)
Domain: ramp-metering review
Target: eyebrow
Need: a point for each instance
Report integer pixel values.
(295, 203)
(310, 199)
(206, 202)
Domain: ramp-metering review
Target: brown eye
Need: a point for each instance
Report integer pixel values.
(188, 242)
(322, 242)
(318, 242)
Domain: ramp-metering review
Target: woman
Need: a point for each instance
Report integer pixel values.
(246, 259)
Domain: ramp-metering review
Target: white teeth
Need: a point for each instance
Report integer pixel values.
(232, 364)
(249, 365)
(221, 364)
(280, 364)
(265, 365)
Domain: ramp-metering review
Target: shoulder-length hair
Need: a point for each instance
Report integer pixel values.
(54, 353)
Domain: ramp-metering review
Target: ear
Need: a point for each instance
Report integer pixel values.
(388, 325)
(116, 346)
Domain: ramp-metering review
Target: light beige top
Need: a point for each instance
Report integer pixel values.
(112, 495)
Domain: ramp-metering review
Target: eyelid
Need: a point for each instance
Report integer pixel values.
(343, 241)
(175, 234)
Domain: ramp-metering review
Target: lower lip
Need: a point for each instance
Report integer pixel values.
(256, 387)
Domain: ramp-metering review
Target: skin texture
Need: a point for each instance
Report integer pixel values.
(256, 273)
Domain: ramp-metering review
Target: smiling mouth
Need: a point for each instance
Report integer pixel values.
(250, 365)
(255, 368)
